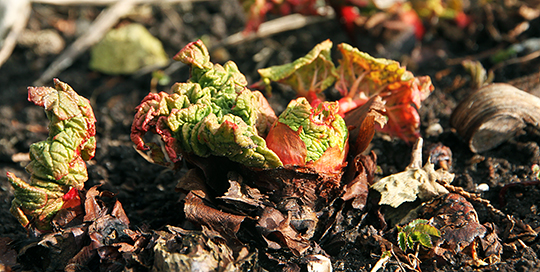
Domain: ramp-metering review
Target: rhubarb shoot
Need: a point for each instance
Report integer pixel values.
(359, 78)
(214, 113)
(57, 166)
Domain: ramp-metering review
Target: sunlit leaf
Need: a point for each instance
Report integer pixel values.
(212, 114)
(57, 166)
(312, 73)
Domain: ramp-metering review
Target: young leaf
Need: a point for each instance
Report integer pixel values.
(417, 231)
(212, 114)
(316, 137)
(362, 76)
(308, 75)
(57, 164)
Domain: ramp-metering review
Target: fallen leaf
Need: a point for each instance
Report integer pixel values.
(414, 182)
(243, 196)
(186, 250)
(357, 189)
(277, 230)
(361, 122)
(197, 211)
(461, 232)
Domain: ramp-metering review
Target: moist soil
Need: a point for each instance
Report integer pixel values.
(147, 191)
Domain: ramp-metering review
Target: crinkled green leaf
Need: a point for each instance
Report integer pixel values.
(360, 72)
(320, 128)
(312, 73)
(57, 164)
(214, 113)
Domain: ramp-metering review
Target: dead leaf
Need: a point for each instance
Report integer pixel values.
(192, 180)
(361, 122)
(414, 182)
(53, 250)
(491, 245)
(461, 232)
(277, 231)
(197, 211)
(242, 196)
(187, 250)
(358, 188)
(302, 218)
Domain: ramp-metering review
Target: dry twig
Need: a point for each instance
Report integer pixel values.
(16, 29)
(266, 29)
(106, 19)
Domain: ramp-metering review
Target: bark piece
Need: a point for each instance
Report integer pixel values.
(494, 114)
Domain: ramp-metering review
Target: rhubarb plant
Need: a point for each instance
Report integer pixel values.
(352, 14)
(359, 77)
(57, 166)
(215, 114)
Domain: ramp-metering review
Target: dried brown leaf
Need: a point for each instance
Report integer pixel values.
(361, 122)
(198, 251)
(192, 180)
(91, 207)
(197, 211)
(277, 229)
(491, 246)
(302, 217)
(358, 188)
(241, 195)
(118, 212)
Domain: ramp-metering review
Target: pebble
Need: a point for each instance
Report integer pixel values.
(482, 187)
(434, 129)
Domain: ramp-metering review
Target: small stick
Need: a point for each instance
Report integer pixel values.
(279, 25)
(523, 59)
(106, 20)
(269, 28)
(416, 155)
(16, 29)
(472, 196)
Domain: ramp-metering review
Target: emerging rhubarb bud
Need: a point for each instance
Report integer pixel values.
(57, 164)
(313, 137)
(214, 113)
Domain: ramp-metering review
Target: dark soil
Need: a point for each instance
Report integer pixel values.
(147, 191)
